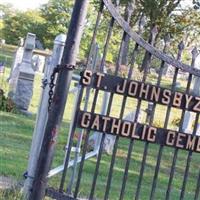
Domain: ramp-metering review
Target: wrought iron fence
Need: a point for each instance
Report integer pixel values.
(166, 151)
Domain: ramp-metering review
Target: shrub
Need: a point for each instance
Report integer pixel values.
(6, 104)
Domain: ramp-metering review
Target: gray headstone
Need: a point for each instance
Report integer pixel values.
(25, 76)
(17, 60)
(198, 130)
(189, 118)
(178, 84)
(93, 57)
(13, 81)
(110, 139)
(196, 80)
(187, 122)
(38, 63)
(35, 62)
(165, 69)
(170, 71)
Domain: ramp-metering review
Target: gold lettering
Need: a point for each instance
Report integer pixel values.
(132, 90)
(187, 99)
(170, 138)
(144, 132)
(85, 121)
(121, 88)
(115, 126)
(151, 134)
(155, 93)
(179, 139)
(134, 135)
(197, 105)
(166, 96)
(144, 90)
(105, 119)
(177, 99)
(198, 145)
(95, 124)
(126, 126)
(99, 79)
(86, 80)
(190, 142)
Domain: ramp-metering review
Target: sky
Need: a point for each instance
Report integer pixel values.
(25, 4)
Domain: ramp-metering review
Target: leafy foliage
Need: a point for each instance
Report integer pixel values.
(20, 23)
(53, 18)
(6, 104)
(56, 14)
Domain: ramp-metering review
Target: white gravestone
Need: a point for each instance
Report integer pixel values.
(38, 63)
(189, 118)
(196, 88)
(18, 57)
(110, 139)
(14, 73)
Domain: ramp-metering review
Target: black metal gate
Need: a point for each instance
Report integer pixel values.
(154, 156)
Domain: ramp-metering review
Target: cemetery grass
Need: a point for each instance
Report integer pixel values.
(15, 140)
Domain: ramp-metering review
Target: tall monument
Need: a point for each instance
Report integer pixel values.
(24, 75)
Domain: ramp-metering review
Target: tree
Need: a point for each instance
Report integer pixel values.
(56, 14)
(5, 10)
(53, 18)
(20, 23)
(188, 26)
(47, 22)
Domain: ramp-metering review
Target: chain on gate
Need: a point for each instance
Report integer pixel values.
(52, 83)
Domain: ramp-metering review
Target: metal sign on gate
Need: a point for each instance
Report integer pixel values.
(139, 90)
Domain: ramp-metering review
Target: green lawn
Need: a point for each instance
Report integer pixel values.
(15, 139)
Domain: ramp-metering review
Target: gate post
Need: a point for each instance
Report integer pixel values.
(59, 99)
(42, 113)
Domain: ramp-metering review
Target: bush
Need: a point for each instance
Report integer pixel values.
(6, 104)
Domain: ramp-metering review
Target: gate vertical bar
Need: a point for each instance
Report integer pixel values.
(189, 157)
(172, 171)
(197, 188)
(130, 148)
(119, 61)
(145, 67)
(173, 88)
(42, 115)
(59, 99)
(103, 60)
